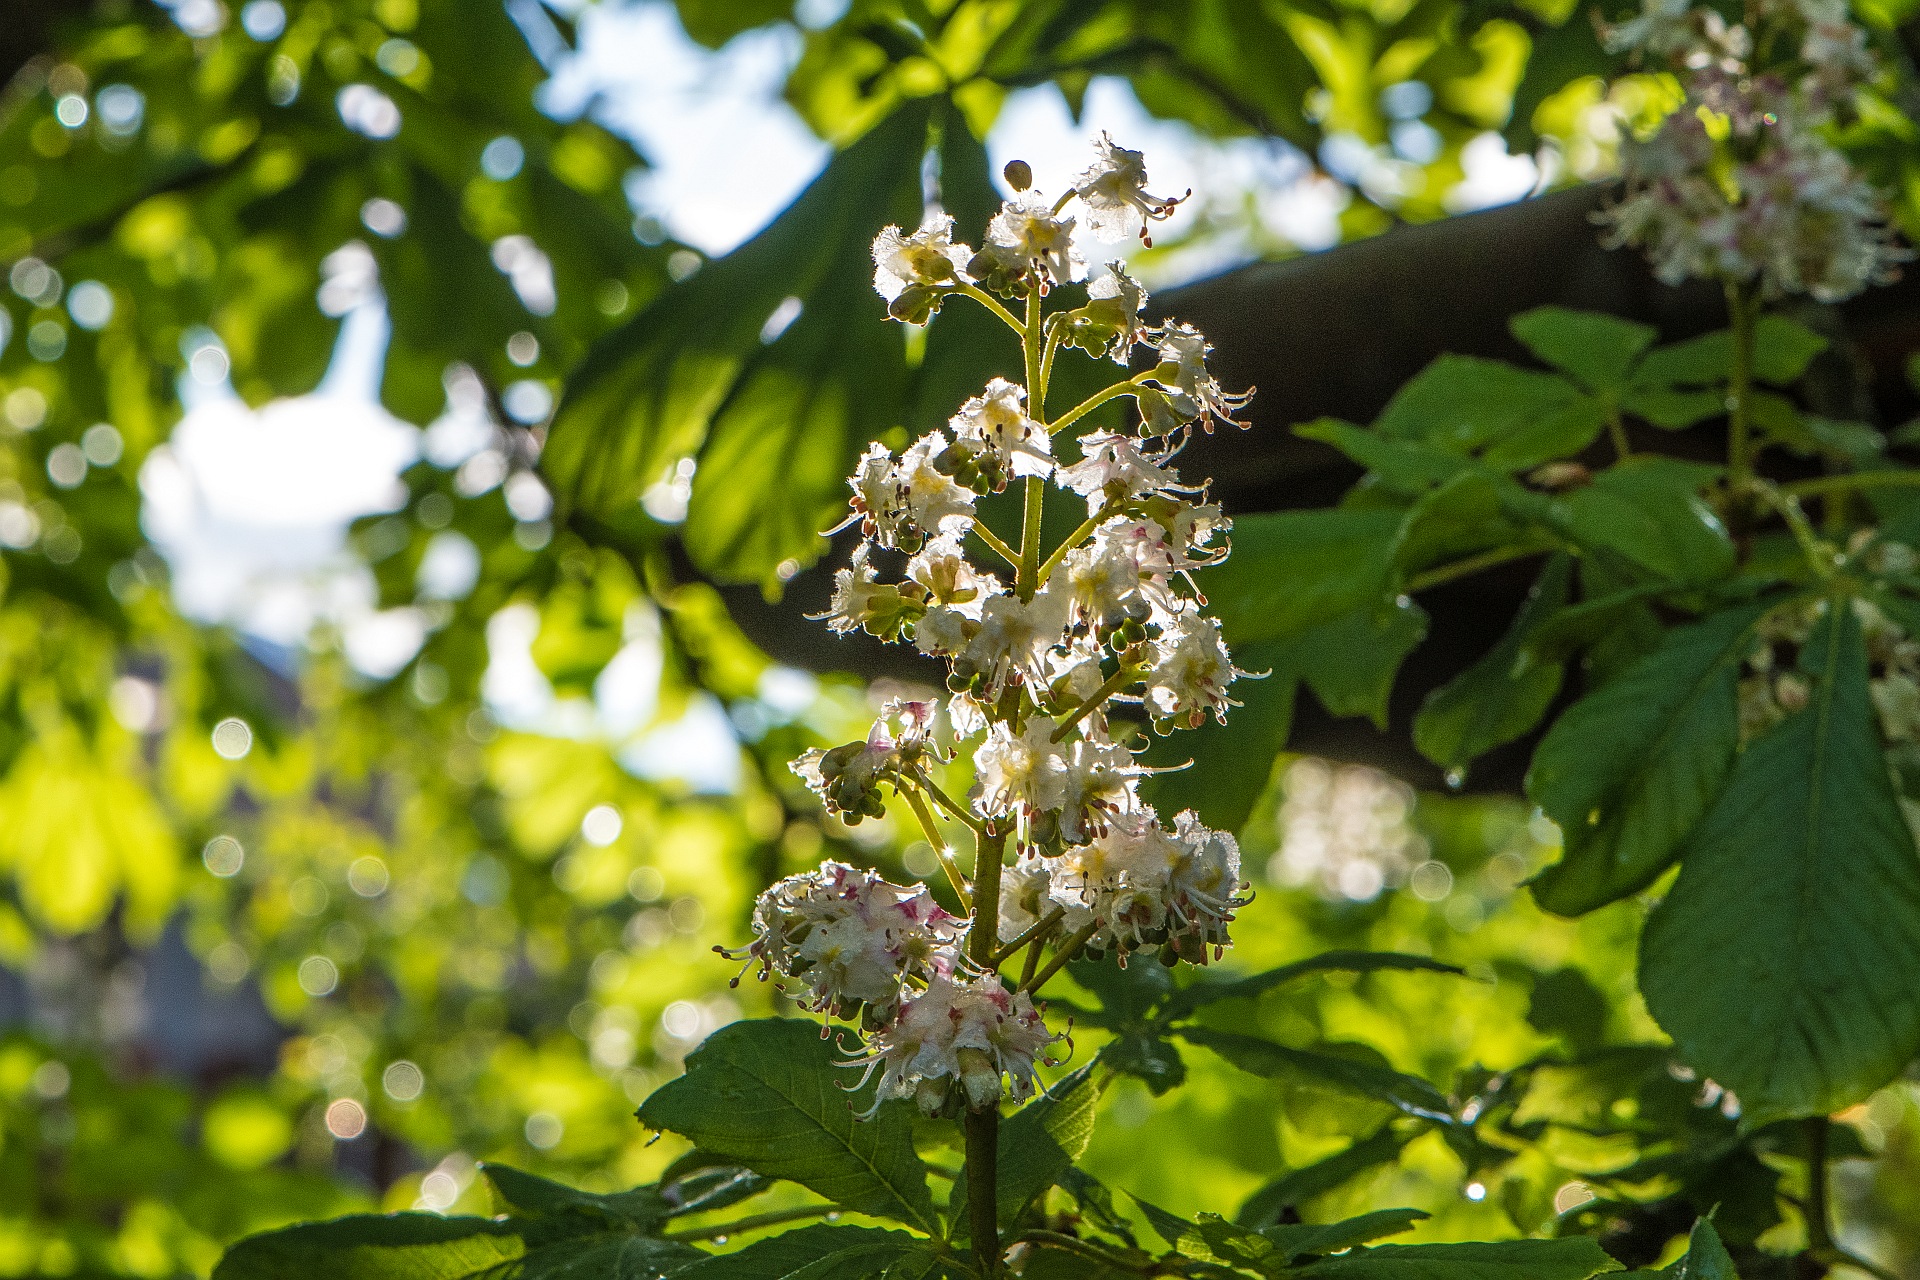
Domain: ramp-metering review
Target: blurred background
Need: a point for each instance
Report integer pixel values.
(366, 813)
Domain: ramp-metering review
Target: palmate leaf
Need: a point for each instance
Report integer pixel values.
(781, 420)
(1207, 991)
(1597, 350)
(770, 1094)
(1781, 963)
(1266, 1205)
(426, 1246)
(1629, 770)
(821, 1253)
(1409, 1094)
(1574, 1258)
(1503, 695)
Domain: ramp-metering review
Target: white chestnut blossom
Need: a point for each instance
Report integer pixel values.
(1055, 641)
(1028, 239)
(928, 258)
(1763, 198)
(963, 1030)
(1191, 674)
(1020, 771)
(849, 935)
(996, 420)
(1114, 189)
(1112, 470)
(1183, 372)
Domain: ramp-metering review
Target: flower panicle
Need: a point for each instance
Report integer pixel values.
(1060, 664)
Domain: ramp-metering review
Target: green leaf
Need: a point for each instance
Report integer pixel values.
(1782, 961)
(1350, 663)
(1232, 762)
(714, 22)
(1148, 1057)
(1782, 350)
(1597, 350)
(1293, 1241)
(1503, 695)
(1648, 512)
(1294, 1188)
(821, 1253)
(1463, 516)
(1038, 1144)
(641, 1209)
(1403, 466)
(1574, 1258)
(776, 424)
(425, 1246)
(770, 1094)
(1707, 1257)
(1462, 404)
(1629, 770)
(1409, 1094)
(1673, 410)
(1208, 990)
(1292, 570)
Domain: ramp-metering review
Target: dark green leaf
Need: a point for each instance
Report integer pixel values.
(1561, 433)
(1169, 1227)
(1463, 404)
(1292, 1189)
(1459, 518)
(1629, 770)
(1598, 350)
(1208, 990)
(1293, 1241)
(642, 1208)
(1673, 410)
(781, 421)
(1401, 465)
(1782, 350)
(1350, 663)
(1648, 512)
(821, 1253)
(1504, 694)
(1707, 1257)
(1781, 962)
(424, 1246)
(1292, 570)
(714, 22)
(1149, 1057)
(1567, 1004)
(1574, 1258)
(1408, 1093)
(770, 1094)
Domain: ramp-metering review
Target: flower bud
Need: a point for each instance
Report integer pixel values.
(980, 1078)
(1019, 174)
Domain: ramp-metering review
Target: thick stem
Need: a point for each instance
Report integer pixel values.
(982, 1129)
(1029, 573)
(1030, 347)
(1819, 1225)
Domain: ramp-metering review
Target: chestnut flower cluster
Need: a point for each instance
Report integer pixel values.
(1061, 655)
(1742, 183)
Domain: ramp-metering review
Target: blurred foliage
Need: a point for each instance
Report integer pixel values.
(458, 952)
